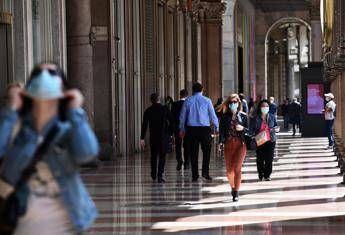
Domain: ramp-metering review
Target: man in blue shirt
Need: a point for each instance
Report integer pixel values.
(198, 111)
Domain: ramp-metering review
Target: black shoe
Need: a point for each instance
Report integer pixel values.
(154, 177)
(179, 166)
(207, 177)
(161, 180)
(186, 167)
(261, 179)
(268, 179)
(195, 179)
(235, 197)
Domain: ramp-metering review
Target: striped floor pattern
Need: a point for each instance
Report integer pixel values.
(305, 196)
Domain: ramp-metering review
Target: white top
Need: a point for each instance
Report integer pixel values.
(46, 212)
(330, 115)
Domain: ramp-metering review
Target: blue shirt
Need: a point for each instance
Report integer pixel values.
(198, 111)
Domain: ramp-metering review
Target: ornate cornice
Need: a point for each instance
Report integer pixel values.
(210, 12)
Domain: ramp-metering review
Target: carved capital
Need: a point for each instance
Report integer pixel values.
(314, 9)
(182, 5)
(208, 11)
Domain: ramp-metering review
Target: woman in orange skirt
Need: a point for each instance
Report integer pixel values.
(233, 123)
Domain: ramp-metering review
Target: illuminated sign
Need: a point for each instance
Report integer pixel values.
(315, 100)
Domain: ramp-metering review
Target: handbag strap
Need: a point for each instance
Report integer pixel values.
(38, 155)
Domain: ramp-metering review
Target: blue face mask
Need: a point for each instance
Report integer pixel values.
(233, 107)
(265, 110)
(45, 86)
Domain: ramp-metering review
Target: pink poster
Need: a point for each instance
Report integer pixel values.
(315, 100)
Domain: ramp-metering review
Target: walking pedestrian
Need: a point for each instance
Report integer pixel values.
(329, 111)
(217, 105)
(264, 130)
(197, 111)
(160, 122)
(295, 110)
(245, 107)
(285, 113)
(250, 104)
(40, 170)
(176, 111)
(232, 125)
(273, 108)
(168, 102)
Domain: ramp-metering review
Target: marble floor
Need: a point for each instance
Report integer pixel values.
(305, 196)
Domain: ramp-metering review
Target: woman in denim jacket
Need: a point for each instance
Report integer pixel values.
(54, 199)
(264, 121)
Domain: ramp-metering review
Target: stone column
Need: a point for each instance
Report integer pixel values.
(316, 34)
(209, 15)
(79, 50)
(228, 50)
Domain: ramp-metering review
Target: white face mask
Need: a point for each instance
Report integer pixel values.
(265, 110)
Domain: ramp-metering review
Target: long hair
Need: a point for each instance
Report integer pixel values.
(63, 103)
(258, 111)
(224, 107)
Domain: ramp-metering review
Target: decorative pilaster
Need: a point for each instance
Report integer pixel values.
(209, 15)
(316, 47)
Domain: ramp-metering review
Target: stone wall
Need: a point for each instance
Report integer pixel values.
(263, 23)
(337, 86)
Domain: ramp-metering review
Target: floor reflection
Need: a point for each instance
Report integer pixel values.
(304, 197)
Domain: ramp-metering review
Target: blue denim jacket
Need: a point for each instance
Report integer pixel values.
(74, 143)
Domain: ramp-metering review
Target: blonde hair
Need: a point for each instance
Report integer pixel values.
(224, 107)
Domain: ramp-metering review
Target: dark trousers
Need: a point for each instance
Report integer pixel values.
(178, 148)
(294, 128)
(157, 155)
(197, 136)
(264, 159)
(329, 131)
(286, 122)
(295, 125)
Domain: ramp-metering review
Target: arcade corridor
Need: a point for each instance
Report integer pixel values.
(304, 197)
(118, 53)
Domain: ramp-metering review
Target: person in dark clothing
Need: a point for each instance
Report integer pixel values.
(245, 107)
(168, 102)
(273, 109)
(196, 116)
(285, 113)
(250, 104)
(160, 122)
(176, 110)
(295, 115)
(216, 106)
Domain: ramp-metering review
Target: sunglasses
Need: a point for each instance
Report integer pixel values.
(233, 102)
(52, 72)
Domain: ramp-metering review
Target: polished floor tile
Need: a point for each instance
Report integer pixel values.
(305, 195)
